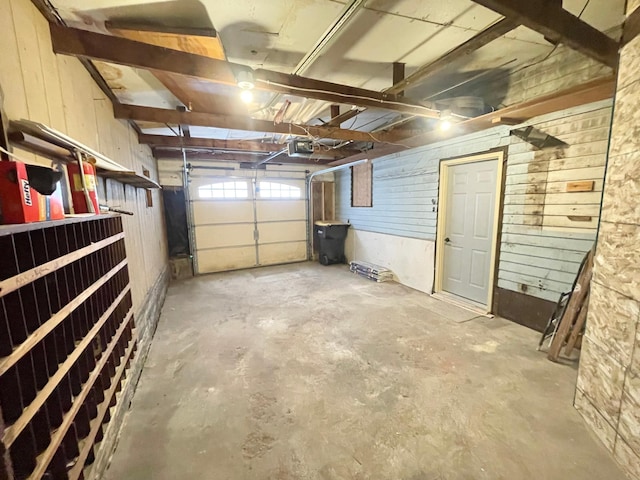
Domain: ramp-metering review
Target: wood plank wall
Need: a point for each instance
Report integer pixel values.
(547, 229)
(541, 246)
(58, 91)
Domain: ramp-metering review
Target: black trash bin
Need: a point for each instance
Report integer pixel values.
(331, 237)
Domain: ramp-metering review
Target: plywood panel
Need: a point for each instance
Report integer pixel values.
(362, 185)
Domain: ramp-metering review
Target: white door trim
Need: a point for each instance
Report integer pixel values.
(442, 214)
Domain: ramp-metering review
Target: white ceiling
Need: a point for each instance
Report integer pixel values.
(276, 34)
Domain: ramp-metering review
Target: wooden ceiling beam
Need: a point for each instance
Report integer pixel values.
(557, 24)
(600, 89)
(232, 146)
(478, 41)
(230, 157)
(174, 117)
(108, 48)
(343, 117)
(193, 142)
(631, 27)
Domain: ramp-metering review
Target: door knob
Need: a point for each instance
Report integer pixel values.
(447, 240)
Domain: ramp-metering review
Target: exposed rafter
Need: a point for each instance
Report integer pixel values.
(631, 27)
(593, 91)
(162, 115)
(193, 155)
(476, 42)
(557, 24)
(86, 44)
(240, 145)
(343, 117)
(174, 142)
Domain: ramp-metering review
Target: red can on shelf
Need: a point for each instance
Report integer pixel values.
(20, 202)
(77, 188)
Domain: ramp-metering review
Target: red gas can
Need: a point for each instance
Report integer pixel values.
(80, 204)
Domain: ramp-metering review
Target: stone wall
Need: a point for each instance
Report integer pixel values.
(608, 394)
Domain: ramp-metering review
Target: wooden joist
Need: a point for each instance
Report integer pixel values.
(230, 146)
(234, 122)
(167, 154)
(631, 27)
(192, 142)
(107, 48)
(557, 24)
(478, 41)
(593, 91)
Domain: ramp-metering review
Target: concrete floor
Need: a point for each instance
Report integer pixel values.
(309, 372)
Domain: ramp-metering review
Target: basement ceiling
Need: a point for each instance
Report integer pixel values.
(277, 34)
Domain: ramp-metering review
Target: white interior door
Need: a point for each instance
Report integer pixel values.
(246, 222)
(469, 229)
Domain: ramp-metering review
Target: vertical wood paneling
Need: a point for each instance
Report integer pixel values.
(58, 91)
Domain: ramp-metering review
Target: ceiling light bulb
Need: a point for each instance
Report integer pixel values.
(246, 96)
(445, 125)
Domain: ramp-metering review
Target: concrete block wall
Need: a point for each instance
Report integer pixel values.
(608, 394)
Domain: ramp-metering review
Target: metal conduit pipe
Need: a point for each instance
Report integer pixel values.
(309, 212)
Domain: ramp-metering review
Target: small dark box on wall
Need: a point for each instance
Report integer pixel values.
(20, 202)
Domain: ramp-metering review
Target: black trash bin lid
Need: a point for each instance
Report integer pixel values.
(330, 223)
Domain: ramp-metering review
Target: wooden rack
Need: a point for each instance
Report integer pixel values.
(67, 336)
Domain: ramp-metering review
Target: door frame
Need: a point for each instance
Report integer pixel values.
(442, 218)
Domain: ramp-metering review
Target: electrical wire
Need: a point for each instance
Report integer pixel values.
(557, 45)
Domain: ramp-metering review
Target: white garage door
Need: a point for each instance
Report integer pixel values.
(246, 222)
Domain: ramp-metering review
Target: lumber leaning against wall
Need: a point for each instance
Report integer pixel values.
(59, 92)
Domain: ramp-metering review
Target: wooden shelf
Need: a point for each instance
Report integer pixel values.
(46, 141)
(130, 178)
(66, 337)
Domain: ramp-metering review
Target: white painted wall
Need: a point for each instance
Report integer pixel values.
(412, 260)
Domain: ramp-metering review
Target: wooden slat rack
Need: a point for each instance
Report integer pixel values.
(67, 336)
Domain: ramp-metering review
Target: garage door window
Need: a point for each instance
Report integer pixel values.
(277, 190)
(224, 190)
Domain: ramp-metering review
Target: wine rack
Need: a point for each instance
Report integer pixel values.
(67, 336)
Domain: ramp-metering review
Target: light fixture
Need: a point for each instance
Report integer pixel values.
(446, 120)
(445, 125)
(246, 83)
(246, 96)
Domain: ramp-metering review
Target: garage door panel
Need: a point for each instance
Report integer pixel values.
(283, 253)
(270, 210)
(282, 232)
(222, 211)
(215, 236)
(223, 259)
